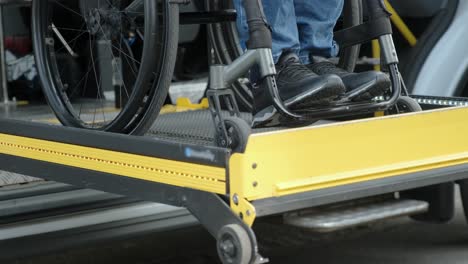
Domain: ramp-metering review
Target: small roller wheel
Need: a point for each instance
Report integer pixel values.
(234, 245)
(407, 104)
(238, 134)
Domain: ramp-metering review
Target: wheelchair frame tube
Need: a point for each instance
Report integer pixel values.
(260, 33)
(221, 77)
(377, 9)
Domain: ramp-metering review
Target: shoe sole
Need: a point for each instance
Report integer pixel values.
(331, 89)
(269, 117)
(369, 91)
(322, 99)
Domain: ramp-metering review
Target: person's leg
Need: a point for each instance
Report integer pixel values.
(282, 19)
(316, 20)
(297, 85)
(242, 26)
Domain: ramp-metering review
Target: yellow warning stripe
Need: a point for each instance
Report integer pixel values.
(176, 173)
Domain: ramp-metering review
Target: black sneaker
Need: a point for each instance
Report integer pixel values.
(360, 87)
(299, 88)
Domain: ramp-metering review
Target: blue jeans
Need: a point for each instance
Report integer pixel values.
(302, 26)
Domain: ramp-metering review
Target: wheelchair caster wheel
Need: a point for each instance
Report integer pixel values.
(407, 104)
(234, 245)
(238, 132)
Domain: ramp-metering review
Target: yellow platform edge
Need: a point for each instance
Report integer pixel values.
(176, 173)
(293, 161)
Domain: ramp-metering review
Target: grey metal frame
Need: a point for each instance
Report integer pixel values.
(222, 77)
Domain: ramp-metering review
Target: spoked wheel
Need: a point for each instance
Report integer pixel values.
(226, 44)
(105, 64)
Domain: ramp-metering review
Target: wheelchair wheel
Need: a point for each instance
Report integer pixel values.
(225, 42)
(105, 65)
(406, 104)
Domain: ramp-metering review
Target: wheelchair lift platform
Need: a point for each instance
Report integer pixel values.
(282, 170)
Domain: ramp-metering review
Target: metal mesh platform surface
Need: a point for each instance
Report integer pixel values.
(193, 127)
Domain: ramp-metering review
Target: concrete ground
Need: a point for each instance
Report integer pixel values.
(398, 241)
(403, 241)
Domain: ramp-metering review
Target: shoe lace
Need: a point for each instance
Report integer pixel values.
(293, 69)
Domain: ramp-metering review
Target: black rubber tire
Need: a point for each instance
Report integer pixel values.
(464, 196)
(441, 199)
(152, 82)
(243, 250)
(225, 42)
(239, 132)
(406, 104)
(164, 70)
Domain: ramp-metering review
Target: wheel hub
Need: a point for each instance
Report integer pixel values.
(104, 21)
(228, 248)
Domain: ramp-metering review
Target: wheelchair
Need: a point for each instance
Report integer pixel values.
(88, 51)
